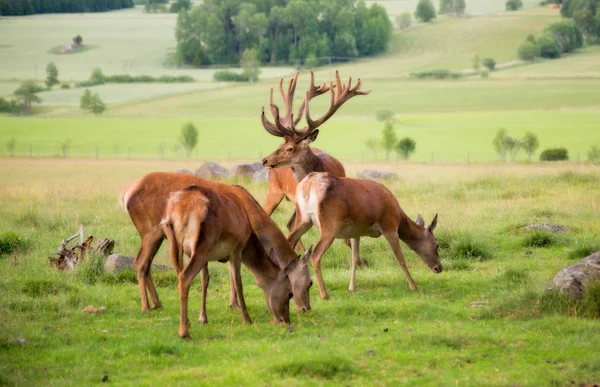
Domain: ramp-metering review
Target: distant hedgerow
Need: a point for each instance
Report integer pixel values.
(230, 76)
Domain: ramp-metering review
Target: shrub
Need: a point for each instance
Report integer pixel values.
(425, 11)
(529, 51)
(189, 138)
(594, 154)
(178, 5)
(97, 76)
(436, 74)
(404, 20)
(490, 63)
(230, 76)
(554, 154)
(11, 242)
(549, 46)
(65, 86)
(465, 247)
(514, 5)
(567, 34)
(405, 147)
(8, 106)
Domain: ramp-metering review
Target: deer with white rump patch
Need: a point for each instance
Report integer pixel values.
(342, 207)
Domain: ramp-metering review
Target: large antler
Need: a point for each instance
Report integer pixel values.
(283, 126)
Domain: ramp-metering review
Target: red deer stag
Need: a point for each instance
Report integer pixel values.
(350, 208)
(206, 226)
(294, 159)
(145, 200)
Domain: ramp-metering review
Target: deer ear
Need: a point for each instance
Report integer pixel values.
(420, 221)
(307, 255)
(272, 258)
(312, 136)
(433, 223)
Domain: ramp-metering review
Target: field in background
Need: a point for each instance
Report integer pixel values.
(479, 322)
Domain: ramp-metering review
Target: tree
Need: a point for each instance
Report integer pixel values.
(389, 138)
(85, 102)
(594, 154)
(452, 7)
(476, 62)
(250, 65)
(373, 145)
(567, 34)
(529, 51)
(404, 20)
(178, 5)
(189, 138)
(500, 144)
(405, 147)
(425, 11)
(530, 143)
(490, 63)
(554, 154)
(384, 115)
(512, 146)
(549, 46)
(92, 102)
(26, 95)
(77, 40)
(514, 5)
(51, 75)
(10, 146)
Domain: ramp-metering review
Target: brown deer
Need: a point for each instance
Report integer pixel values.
(145, 200)
(206, 226)
(351, 208)
(294, 159)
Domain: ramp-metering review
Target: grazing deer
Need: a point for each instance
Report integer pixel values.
(351, 208)
(295, 153)
(206, 226)
(145, 200)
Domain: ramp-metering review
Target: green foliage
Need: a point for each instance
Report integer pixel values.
(155, 6)
(499, 143)
(86, 99)
(65, 86)
(584, 249)
(51, 75)
(404, 20)
(530, 143)
(540, 238)
(594, 154)
(466, 247)
(425, 11)
(549, 46)
(97, 76)
(373, 145)
(126, 78)
(250, 65)
(529, 51)
(26, 95)
(514, 5)
(189, 138)
(452, 7)
(91, 269)
(567, 34)
(554, 154)
(389, 138)
(588, 306)
(436, 74)
(230, 76)
(12, 242)
(27, 7)
(384, 115)
(8, 106)
(179, 5)
(323, 367)
(92, 102)
(476, 61)
(490, 63)
(405, 147)
(220, 32)
(78, 40)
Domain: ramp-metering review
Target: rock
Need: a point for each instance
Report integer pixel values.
(211, 171)
(116, 263)
(262, 175)
(90, 309)
(377, 175)
(573, 280)
(551, 227)
(182, 170)
(242, 171)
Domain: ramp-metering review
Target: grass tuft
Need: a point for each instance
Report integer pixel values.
(583, 250)
(515, 276)
(324, 368)
(160, 349)
(588, 306)
(12, 242)
(540, 239)
(458, 265)
(466, 247)
(45, 287)
(91, 269)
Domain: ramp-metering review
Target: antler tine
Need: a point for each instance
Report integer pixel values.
(276, 129)
(284, 131)
(288, 98)
(269, 127)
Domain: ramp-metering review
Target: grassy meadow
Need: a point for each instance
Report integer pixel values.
(484, 320)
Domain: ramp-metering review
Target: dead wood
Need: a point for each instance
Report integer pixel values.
(68, 256)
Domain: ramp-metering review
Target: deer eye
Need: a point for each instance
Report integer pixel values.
(289, 149)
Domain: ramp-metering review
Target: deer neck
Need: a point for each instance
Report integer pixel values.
(309, 162)
(259, 263)
(410, 232)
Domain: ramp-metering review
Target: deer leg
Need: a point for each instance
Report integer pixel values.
(143, 261)
(233, 301)
(360, 262)
(205, 280)
(300, 228)
(290, 225)
(325, 240)
(394, 242)
(355, 244)
(274, 197)
(235, 264)
(197, 262)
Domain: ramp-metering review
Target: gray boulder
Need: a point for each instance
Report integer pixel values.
(550, 227)
(116, 263)
(377, 175)
(211, 171)
(242, 171)
(573, 280)
(262, 175)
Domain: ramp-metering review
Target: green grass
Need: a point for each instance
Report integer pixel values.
(381, 332)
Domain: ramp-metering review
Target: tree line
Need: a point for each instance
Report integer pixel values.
(298, 31)
(28, 7)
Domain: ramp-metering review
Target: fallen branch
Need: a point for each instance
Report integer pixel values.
(68, 257)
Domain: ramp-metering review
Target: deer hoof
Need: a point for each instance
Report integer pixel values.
(203, 320)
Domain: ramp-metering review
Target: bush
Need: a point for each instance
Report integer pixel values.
(465, 247)
(425, 11)
(404, 20)
(178, 5)
(549, 46)
(65, 86)
(11, 242)
(529, 51)
(514, 5)
(594, 154)
(554, 154)
(437, 74)
(8, 106)
(230, 76)
(490, 63)
(567, 34)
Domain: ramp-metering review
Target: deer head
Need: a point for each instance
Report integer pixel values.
(426, 245)
(295, 147)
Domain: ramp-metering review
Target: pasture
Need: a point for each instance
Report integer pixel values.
(484, 320)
